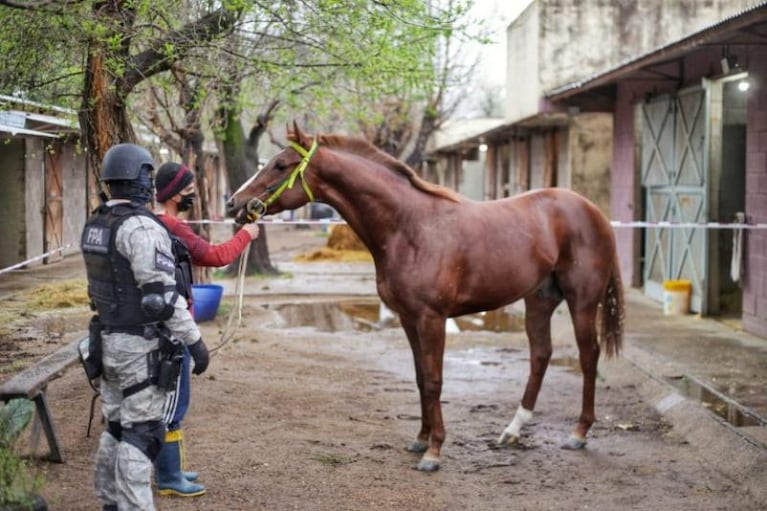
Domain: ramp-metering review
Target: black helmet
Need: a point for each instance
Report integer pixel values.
(124, 162)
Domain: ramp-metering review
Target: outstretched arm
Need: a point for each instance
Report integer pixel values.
(208, 254)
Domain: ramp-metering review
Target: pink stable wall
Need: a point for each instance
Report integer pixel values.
(623, 186)
(755, 280)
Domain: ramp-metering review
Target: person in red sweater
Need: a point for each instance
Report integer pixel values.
(175, 193)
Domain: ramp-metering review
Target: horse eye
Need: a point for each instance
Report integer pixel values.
(281, 166)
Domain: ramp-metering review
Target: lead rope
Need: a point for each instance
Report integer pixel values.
(231, 328)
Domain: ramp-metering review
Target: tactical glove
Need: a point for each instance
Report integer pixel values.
(199, 353)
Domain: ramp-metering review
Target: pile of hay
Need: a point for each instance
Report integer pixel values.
(343, 246)
(58, 295)
(343, 238)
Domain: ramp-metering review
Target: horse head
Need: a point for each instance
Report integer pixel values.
(279, 185)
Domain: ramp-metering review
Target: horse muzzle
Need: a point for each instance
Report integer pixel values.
(248, 212)
(254, 209)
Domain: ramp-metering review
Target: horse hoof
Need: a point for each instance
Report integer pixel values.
(427, 465)
(417, 447)
(507, 439)
(574, 443)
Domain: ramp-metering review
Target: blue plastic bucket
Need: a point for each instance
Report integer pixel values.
(207, 298)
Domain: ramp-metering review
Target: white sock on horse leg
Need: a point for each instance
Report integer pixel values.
(521, 417)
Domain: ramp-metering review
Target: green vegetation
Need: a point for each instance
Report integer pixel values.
(18, 486)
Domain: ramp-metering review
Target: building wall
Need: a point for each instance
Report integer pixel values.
(75, 198)
(556, 42)
(34, 191)
(755, 277)
(23, 196)
(13, 226)
(537, 161)
(590, 157)
(624, 189)
(522, 67)
(565, 157)
(473, 179)
(581, 37)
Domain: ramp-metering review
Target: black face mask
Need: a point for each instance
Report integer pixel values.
(139, 190)
(187, 201)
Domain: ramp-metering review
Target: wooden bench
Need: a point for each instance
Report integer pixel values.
(32, 382)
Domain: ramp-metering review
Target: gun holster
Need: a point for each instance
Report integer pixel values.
(90, 350)
(169, 360)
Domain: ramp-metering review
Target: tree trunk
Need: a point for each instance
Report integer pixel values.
(111, 71)
(429, 124)
(238, 170)
(103, 118)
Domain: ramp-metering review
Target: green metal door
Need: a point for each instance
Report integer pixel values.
(674, 175)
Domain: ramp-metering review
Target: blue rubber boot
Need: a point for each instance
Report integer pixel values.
(171, 480)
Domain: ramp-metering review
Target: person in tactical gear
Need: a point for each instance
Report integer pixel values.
(175, 194)
(131, 271)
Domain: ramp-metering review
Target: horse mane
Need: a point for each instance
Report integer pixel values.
(362, 147)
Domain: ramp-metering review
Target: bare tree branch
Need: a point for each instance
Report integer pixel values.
(154, 60)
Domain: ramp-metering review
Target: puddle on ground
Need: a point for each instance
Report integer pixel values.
(367, 315)
(479, 371)
(716, 402)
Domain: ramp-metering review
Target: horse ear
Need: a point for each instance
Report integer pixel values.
(300, 137)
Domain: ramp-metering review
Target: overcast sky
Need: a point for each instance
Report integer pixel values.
(498, 14)
(490, 74)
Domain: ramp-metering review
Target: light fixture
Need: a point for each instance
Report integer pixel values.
(743, 85)
(483, 148)
(725, 63)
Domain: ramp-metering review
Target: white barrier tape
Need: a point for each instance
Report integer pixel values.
(688, 225)
(614, 223)
(24, 263)
(271, 221)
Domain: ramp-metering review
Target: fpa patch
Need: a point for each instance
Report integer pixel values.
(95, 239)
(164, 262)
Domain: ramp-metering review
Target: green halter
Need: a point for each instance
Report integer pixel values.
(256, 207)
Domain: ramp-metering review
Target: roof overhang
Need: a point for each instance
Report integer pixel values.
(454, 134)
(746, 28)
(20, 117)
(503, 131)
(15, 131)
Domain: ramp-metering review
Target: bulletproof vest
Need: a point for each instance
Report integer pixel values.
(184, 275)
(113, 290)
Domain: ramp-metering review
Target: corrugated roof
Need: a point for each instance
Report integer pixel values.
(28, 103)
(15, 130)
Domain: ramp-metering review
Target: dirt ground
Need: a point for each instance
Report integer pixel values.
(308, 409)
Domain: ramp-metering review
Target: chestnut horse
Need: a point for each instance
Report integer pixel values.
(439, 255)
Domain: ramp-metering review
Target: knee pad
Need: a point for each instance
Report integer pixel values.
(115, 429)
(147, 437)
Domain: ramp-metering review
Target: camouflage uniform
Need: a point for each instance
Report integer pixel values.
(123, 471)
(131, 267)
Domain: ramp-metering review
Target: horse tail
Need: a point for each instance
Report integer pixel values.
(613, 312)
